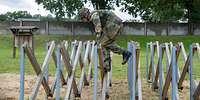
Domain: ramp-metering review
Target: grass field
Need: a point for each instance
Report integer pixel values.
(10, 65)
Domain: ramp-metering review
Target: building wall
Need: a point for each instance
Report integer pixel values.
(81, 28)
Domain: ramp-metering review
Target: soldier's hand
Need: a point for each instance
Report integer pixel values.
(98, 35)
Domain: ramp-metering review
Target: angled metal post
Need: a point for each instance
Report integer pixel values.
(58, 83)
(135, 92)
(130, 73)
(152, 59)
(174, 75)
(160, 71)
(22, 62)
(95, 72)
(190, 73)
(47, 69)
(147, 61)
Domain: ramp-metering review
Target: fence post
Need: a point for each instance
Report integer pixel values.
(145, 29)
(47, 27)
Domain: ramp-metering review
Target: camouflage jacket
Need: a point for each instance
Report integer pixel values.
(106, 22)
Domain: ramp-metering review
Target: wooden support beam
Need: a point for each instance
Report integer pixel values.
(71, 78)
(196, 94)
(36, 67)
(83, 67)
(40, 77)
(61, 73)
(101, 63)
(90, 63)
(69, 67)
(184, 71)
(155, 84)
(151, 60)
(168, 78)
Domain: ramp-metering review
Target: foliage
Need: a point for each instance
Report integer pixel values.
(3, 17)
(69, 8)
(10, 16)
(17, 14)
(163, 10)
(61, 8)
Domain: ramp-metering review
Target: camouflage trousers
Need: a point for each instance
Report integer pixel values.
(109, 45)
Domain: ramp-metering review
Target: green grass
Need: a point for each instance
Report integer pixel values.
(10, 65)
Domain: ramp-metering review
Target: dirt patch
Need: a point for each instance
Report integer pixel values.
(10, 83)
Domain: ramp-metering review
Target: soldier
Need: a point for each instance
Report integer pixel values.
(107, 27)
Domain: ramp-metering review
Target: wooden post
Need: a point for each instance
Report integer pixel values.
(145, 29)
(47, 27)
(14, 48)
(21, 35)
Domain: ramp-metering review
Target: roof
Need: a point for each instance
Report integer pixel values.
(23, 27)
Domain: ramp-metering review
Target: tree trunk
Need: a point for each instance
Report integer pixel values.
(190, 24)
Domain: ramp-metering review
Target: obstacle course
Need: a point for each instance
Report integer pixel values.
(155, 72)
(90, 59)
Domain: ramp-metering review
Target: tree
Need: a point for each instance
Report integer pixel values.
(163, 10)
(148, 10)
(17, 14)
(3, 17)
(155, 10)
(68, 8)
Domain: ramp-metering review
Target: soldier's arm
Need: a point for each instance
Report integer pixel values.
(96, 21)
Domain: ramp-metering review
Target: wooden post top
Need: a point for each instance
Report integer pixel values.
(23, 29)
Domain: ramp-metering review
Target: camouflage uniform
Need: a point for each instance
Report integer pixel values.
(109, 25)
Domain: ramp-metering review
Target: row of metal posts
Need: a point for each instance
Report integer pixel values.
(175, 71)
(132, 77)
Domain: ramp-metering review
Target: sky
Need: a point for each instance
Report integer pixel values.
(33, 8)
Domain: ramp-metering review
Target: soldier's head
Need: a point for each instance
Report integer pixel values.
(84, 14)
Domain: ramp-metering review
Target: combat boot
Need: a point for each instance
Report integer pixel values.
(126, 55)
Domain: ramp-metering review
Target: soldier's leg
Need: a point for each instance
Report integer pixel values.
(107, 59)
(117, 49)
(109, 43)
